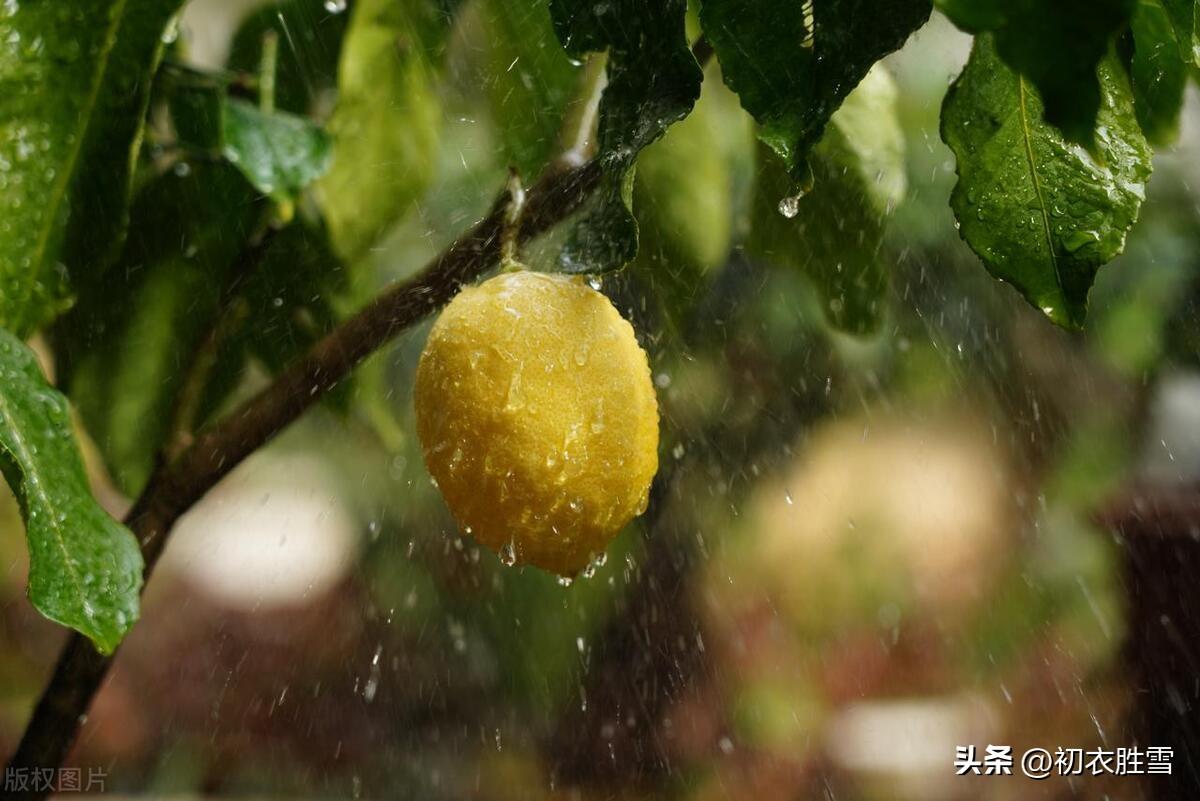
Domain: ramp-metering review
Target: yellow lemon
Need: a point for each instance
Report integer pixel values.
(537, 418)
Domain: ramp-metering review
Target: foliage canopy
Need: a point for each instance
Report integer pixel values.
(259, 193)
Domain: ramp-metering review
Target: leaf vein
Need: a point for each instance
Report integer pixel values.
(1037, 183)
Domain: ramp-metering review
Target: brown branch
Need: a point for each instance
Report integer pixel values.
(175, 488)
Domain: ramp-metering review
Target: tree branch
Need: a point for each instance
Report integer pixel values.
(175, 488)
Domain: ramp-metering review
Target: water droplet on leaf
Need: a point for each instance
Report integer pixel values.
(790, 206)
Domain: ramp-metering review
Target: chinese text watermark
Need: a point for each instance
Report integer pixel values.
(54, 780)
(1041, 763)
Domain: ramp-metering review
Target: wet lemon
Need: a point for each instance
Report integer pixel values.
(537, 418)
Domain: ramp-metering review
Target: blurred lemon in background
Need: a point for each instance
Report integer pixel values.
(877, 519)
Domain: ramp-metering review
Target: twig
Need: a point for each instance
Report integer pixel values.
(80, 669)
(243, 82)
(266, 71)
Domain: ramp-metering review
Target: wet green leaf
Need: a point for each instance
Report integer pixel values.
(386, 123)
(85, 570)
(1042, 213)
(1185, 16)
(67, 152)
(1057, 46)
(653, 81)
(835, 233)
(1159, 77)
(792, 63)
(279, 153)
(127, 345)
(530, 80)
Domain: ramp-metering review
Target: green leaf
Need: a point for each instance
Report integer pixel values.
(291, 295)
(386, 123)
(530, 79)
(126, 346)
(197, 105)
(1159, 77)
(869, 140)
(835, 233)
(85, 570)
(279, 153)
(692, 199)
(792, 63)
(653, 81)
(1042, 213)
(1056, 45)
(287, 301)
(1185, 16)
(692, 188)
(74, 84)
(310, 40)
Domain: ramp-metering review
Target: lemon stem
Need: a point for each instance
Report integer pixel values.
(510, 231)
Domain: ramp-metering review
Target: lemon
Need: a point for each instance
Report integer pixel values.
(537, 418)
